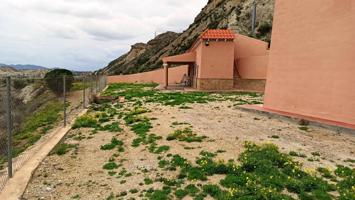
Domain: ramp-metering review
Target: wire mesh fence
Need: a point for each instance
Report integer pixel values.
(31, 110)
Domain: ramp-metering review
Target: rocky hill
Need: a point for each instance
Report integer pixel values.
(24, 67)
(10, 71)
(7, 69)
(217, 14)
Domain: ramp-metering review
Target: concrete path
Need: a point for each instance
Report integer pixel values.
(16, 186)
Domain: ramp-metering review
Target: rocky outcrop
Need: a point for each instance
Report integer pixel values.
(141, 56)
(217, 14)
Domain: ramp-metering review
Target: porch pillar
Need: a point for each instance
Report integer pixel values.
(166, 69)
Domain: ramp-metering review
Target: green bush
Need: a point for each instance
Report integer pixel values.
(19, 83)
(85, 121)
(54, 80)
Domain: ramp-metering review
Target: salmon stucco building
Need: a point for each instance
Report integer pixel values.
(217, 60)
(223, 60)
(311, 70)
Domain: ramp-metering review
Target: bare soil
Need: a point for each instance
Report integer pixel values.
(79, 174)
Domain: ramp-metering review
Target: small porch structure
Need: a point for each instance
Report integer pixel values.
(188, 59)
(210, 61)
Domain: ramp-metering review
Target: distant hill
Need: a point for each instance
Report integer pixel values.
(21, 71)
(24, 67)
(217, 14)
(7, 69)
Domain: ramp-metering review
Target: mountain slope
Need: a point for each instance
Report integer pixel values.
(23, 67)
(217, 14)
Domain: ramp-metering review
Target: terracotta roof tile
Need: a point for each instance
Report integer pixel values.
(218, 34)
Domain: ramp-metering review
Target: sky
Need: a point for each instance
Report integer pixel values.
(85, 34)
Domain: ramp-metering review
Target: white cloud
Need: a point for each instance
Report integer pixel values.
(85, 34)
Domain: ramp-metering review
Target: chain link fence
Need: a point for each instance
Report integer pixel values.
(32, 109)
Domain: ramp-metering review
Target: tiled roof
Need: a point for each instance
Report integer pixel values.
(218, 34)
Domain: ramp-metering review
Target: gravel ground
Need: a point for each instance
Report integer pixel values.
(79, 173)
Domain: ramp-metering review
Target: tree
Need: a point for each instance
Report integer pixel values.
(54, 80)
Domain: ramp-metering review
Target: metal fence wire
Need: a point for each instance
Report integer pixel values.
(32, 109)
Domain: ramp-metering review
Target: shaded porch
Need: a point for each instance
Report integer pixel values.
(189, 59)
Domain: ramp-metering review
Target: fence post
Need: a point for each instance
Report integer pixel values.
(100, 84)
(9, 126)
(96, 84)
(84, 95)
(64, 99)
(101, 88)
(91, 84)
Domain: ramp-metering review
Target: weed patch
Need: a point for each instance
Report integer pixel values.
(185, 135)
(148, 181)
(263, 172)
(114, 127)
(63, 148)
(303, 128)
(158, 150)
(159, 194)
(85, 121)
(295, 154)
(110, 166)
(114, 143)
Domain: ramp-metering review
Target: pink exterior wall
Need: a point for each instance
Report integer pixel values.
(216, 60)
(246, 46)
(156, 76)
(311, 69)
(251, 57)
(254, 67)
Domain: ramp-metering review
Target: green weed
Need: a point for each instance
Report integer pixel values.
(114, 143)
(75, 197)
(295, 154)
(346, 186)
(114, 127)
(158, 150)
(180, 193)
(185, 135)
(133, 191)
(111, 197)
(85, 121)
(325, 172)
(110, 166)
(315, 153)
(63, 148)
(192, 190)
(275, 136)
(159, 194)
(148, 181)
(303, 128)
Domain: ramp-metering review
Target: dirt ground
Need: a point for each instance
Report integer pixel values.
(79, 173)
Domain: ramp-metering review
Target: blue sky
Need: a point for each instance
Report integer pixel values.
(85, 34)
